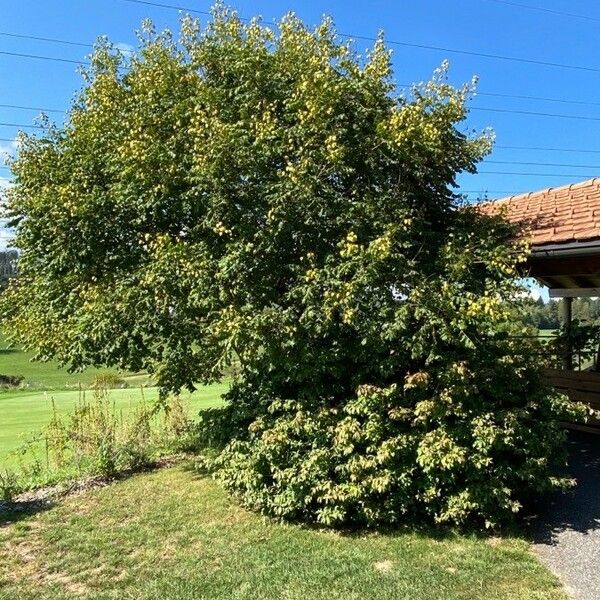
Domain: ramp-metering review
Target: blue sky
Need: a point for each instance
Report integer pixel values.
(502, 27)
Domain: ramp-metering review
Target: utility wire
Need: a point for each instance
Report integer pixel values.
(41, 57)
(476, 108)
(43, 39)
(460, 191)
(540, 164)
(570, 176)
(542, 63)
(17, 106)
(169, 6)
(520, 97)
(546, 10)
(548, 149)
(496, 147)
(534, 113)
(566, 175)
(403, 85)
(404, 44)
(537, 98)
(20, 125)
(182, 8)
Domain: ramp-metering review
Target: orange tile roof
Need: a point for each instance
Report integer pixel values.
(556, 215)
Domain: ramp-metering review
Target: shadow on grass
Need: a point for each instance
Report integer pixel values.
(42, 499)
(13, 512)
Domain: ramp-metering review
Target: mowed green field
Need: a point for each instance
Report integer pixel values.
(22, 412)
(48, 375)
(26, 411)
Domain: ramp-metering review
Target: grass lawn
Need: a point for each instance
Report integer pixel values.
(547, 333)
(23, 412)
(26, 411)
(48, 375)
(172, 534)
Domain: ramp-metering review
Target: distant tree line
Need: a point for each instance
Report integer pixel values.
(548, 315)
(8, 266)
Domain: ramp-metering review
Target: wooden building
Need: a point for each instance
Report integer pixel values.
(563, 224)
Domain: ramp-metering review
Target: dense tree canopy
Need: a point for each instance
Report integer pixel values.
(266, 198)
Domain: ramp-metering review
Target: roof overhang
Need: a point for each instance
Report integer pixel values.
(563, 226)
(585, 248)
(567, 269)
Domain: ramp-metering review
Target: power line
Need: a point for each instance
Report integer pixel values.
(44, 39)
(486, 197)
(41, 57)
(484, 191)
(566, 175)
(540, 164)
(570, 176)
(404, 85)
(53, 110)
(522, 97)
(20, 125)
(537, 98)
(530, 61)
(476, 108)
(182, 8)
(535, 113)
(546, 10)
(486, 109)
(548, 149)
(168, 6)
(496, 147)
(404, 44)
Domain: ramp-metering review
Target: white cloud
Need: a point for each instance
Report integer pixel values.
(6, 235)
(7, 150)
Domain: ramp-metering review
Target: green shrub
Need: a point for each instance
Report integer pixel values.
(11, 381)
(459, 442)
(109, 380)
(266, 202)
(9, 485)
(442, 450)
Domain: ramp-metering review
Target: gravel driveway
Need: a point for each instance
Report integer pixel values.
(567, 530)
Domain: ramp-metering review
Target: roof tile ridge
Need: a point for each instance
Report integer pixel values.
(543, 192)
(583, 184)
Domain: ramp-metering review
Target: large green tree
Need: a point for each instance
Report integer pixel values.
(266, 197)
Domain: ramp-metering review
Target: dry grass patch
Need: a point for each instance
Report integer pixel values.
(170, 534)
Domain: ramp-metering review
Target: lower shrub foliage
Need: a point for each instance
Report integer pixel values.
(398, 454)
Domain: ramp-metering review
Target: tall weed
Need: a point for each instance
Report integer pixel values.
(100, 439)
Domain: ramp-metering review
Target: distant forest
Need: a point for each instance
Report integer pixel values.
(8, 266)
(549, 315)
